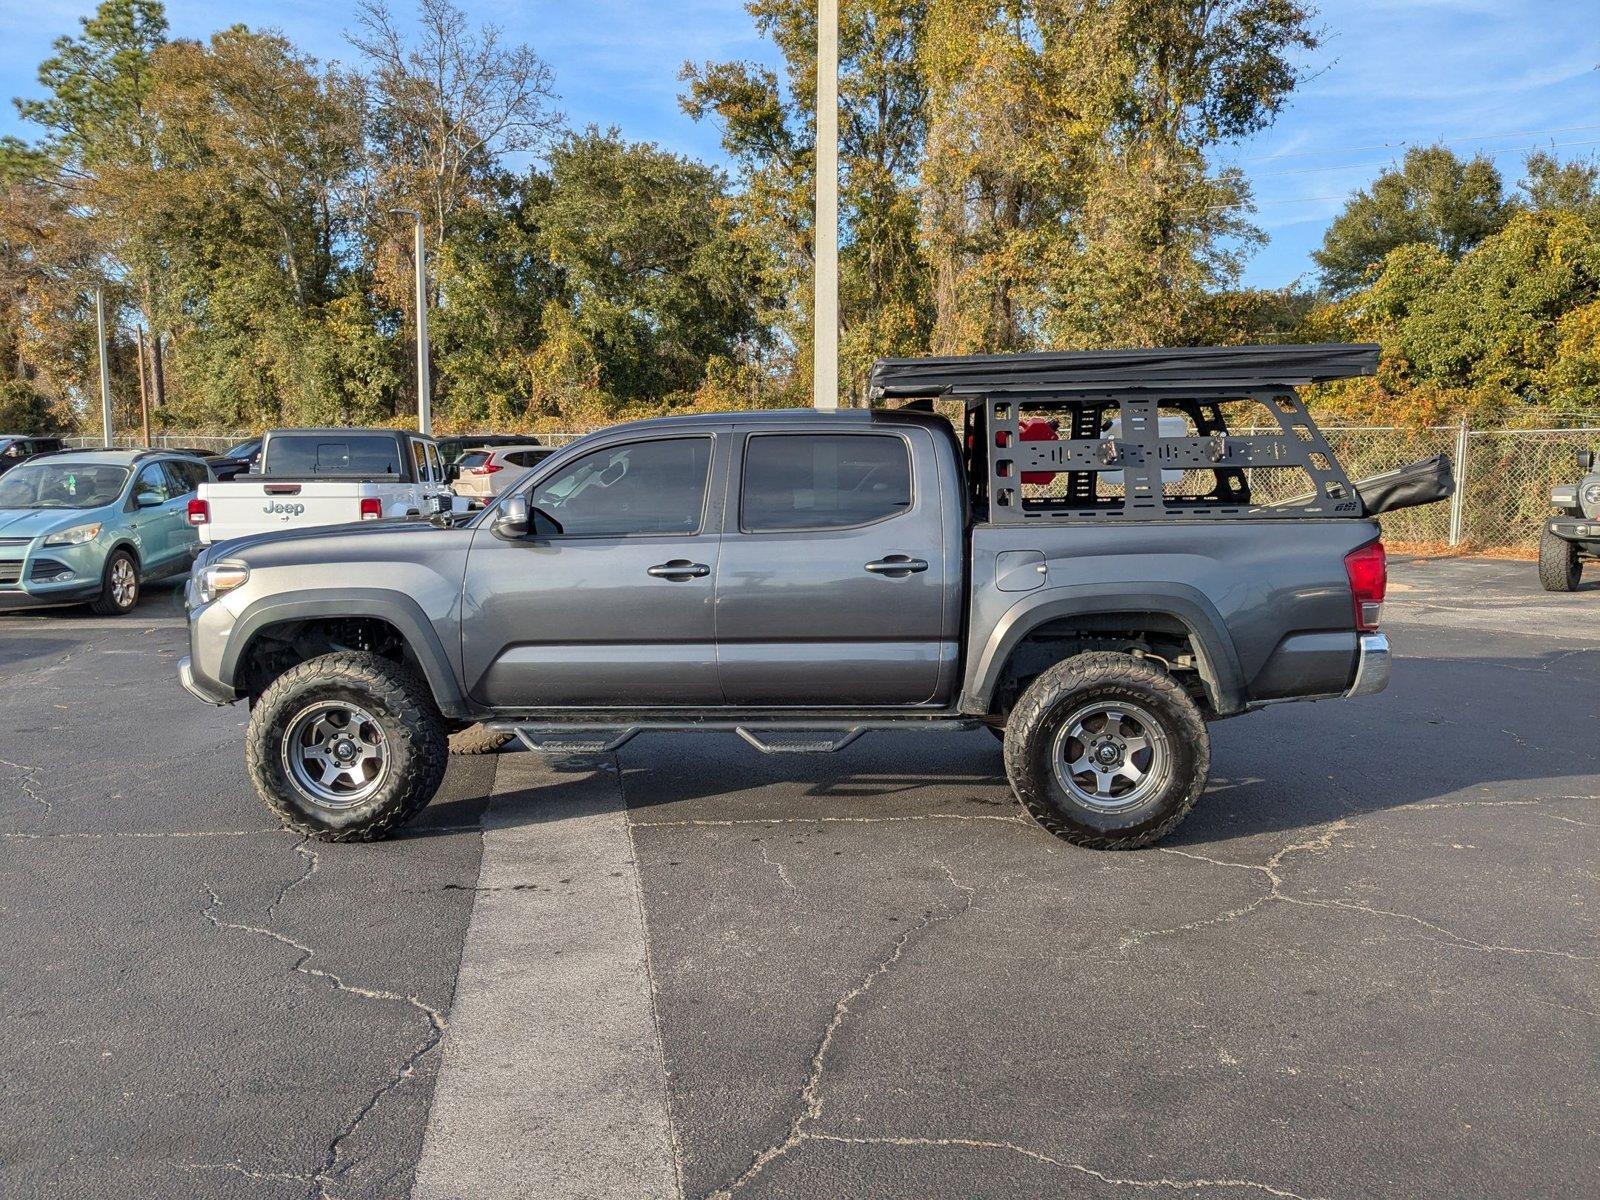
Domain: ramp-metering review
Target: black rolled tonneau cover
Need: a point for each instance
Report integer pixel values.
(1099, 370)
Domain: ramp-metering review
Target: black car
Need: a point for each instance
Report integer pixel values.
(231, 462)
(19, 448)
(452, 448)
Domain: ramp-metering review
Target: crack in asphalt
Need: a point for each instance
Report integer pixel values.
(1039, 1156)
(1276, 894)
(811, 1093)
(324, 1180)
(25, 783)
(783, 873)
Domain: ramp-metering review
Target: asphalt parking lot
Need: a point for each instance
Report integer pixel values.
(1366, 966)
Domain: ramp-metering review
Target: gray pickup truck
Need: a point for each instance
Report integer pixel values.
(1056, 563)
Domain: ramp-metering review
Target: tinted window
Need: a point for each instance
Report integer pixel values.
(152, 481)
(334, 454)
(526, 458)
(474, 458)
(642, 487)
(823, 481)
(185, 476)
(243, 450)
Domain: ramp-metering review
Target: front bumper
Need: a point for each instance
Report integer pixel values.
(203, 689)
(1574, 529)
(1372, 666)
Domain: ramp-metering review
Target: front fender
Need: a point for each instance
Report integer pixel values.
(398, 609)
(1218, 660)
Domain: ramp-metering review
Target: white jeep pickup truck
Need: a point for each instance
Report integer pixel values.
(311, 477)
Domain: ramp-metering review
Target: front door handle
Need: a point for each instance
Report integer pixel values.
(898, 566)
(679, 569)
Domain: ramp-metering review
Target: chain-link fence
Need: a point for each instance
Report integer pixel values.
(217, 443)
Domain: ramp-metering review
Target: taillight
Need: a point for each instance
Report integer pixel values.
(199, 512)
(1368, 569)
(488, 468)
(371, 508)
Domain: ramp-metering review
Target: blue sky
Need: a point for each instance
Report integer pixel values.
(1494, 75)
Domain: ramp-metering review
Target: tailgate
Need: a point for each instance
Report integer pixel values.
(238, 509)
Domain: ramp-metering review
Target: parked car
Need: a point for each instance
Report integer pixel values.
(223, 466)
(804, 577)
(489, 470)
(452, 448)
(90, 526)
(313, 477)
(1572, 538)
(16, 449)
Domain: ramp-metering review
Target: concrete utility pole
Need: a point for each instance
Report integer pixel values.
(105, 363)
(420, 264)
(825, 313)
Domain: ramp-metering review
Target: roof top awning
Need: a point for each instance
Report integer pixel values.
(1209, 367)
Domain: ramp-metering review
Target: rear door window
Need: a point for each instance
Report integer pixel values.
(184, 476)
(823, 481)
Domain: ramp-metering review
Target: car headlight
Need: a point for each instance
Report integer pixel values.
(76, 536)
(211, 582)
(1591, 494)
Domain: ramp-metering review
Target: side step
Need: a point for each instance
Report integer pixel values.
(767, 736)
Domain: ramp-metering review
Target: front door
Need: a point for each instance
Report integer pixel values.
(609, 601)
(158, 519)
(832, 586)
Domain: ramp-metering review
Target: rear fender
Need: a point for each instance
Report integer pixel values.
(1218, 661)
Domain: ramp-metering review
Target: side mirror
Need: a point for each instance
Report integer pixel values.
(148, 500)
(511, 523)
(1585, 460)
(452, 472)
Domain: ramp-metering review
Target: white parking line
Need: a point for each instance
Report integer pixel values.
(552, 1082)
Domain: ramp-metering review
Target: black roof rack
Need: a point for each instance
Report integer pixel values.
(1059, 372)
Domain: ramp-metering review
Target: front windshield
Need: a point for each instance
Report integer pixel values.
(61, 485)
(243, 450)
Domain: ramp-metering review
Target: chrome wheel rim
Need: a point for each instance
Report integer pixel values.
(124, 583)
(335, 752)
(1110, 755)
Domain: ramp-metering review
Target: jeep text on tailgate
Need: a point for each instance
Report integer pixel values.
(1098, 562)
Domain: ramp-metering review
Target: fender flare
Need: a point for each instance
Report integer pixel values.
(396, 608)
(1218, 660)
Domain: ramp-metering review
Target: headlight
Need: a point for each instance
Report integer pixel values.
(76, 536)
(211, 582)
(1591, 494)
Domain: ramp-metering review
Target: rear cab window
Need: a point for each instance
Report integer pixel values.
(311, 454)
(805, 481)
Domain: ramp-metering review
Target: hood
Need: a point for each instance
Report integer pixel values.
(281, 544)
(35, 522)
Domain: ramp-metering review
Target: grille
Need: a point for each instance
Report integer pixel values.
(14, 541)
(10, 573)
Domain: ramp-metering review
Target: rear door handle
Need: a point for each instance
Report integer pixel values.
(680, 569)
(898, 566)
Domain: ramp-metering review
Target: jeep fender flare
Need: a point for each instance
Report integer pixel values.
(396, 608)
(1217, 659)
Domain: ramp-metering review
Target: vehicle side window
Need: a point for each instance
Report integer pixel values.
(419, 460)
(640, 487)
(823, 481)
(14, 451)
(526, 458)
(152, 481)
(435, 467)
(184, 477)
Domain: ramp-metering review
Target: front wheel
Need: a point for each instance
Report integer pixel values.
(1559, 568)
(1107, 752)
(346, 747)
(119, 587)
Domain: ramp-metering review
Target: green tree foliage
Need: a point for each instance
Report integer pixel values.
(1433, 198)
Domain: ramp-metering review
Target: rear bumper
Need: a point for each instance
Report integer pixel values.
(1372, 666)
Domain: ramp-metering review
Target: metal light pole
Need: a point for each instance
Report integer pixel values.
(420, 262)
(825, 312)
(105, 363)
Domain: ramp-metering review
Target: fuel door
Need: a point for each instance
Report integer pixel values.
(1019, 570)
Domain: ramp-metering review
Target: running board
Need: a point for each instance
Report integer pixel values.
(769, 737)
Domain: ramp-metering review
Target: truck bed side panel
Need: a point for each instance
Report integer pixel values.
(1268, 602)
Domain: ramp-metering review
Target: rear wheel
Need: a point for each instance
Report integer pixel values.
(1559, 568)
(119, 588)
(1106, 751)
(346, 747)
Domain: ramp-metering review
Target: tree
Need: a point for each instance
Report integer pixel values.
(1574, 187)
(657, 285)
(1433, 198)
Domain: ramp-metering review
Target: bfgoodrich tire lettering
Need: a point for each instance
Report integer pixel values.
(407, 727)
(1559, 568)
(1117, 702)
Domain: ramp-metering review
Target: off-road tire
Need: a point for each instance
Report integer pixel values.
(105, 604)
(475, 739)
(1035, 721)
(414, 735)
(1559, 568)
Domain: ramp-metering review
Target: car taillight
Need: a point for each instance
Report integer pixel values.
(488, 468)
(371, 508)
(1368, 569)
(199, 512)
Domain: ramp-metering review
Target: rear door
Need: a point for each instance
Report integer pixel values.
(616, 609)
(831, 589)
